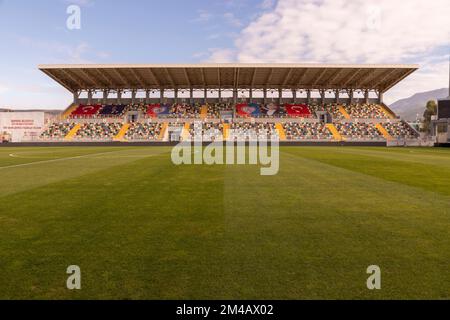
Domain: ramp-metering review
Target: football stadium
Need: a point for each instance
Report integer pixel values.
(95, 187)
(313, 103)
(224, 158)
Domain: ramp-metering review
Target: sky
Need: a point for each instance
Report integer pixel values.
(254, 31)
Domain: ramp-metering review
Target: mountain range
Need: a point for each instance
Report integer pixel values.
(409, 108)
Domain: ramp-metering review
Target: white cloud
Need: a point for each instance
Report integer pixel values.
(65, 52)
(431, 76)
(219, 55)
(203, 16)
(348, 31)
(213, 36)
(267, 4)
(231, 19)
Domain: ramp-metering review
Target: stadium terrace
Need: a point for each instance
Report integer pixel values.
(296, 102)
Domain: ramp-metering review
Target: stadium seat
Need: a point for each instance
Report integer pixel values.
(306, 131)
(98, 131)
(359, 131)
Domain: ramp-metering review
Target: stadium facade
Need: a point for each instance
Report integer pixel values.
(297, 102)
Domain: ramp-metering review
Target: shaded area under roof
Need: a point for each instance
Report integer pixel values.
(227, 76)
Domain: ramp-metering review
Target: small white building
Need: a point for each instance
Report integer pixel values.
(22, 126)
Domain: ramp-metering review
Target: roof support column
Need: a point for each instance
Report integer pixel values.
(89, 96)
(380, 97)
(175, 92)
(265, 95)
(280, 96)
(133, 96)
(220, 95)
(161, 96)
(147, 96)
(105, 96)
(294, 95)
(366, 97)
(308, 96)
(322, 96)
(76, 96)
(206, 96)
(119, 96)
(235, 95)
(191, 95)
(250, 93)
(350, 95)
(336, 95)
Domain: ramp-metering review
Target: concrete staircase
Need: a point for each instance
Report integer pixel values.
(334, 131)
(123, 131)
(72, 133)
(383, 131)
(344, 112)
(66, 114)
(226, 131)
(164, 128)
(204, 112)
(281, 132)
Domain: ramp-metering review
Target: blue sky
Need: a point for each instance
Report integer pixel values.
(139, 31)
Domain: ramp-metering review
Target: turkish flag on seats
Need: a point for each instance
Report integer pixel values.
(298, 110)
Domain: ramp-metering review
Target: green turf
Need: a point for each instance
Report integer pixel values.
(141, 228)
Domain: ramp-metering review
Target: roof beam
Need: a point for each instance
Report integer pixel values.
(73, 78)
(139, 79)
(203, 76)
(170, 78)
(359, 80)
(105, 78)
(390, 84)
(236, 77)
(252, 83)
(352, 77)
(269, 77)
(321, 74)
(155, 79)
(187, 77)
(366, 78)
(335, 76)
(60, 81)
(302, 77)
(91, 78)
(386, 76)
(288, 77)
(121, 77)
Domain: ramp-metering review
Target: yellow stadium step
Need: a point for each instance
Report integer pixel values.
(344, 112)
(383, 131)
(72, 133)
(388, 113)
(226, 131)
(334, 131)
(204, 112)
(185, 134)
(164, 128)
(281, 132)
(123, 131)
(69, 111)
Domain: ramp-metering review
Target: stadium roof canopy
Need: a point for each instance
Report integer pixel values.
(227, 76)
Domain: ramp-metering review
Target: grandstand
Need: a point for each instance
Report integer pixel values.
(296, 103)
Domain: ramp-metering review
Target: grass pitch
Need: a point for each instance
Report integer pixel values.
(141, 228)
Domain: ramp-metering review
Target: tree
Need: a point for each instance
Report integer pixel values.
(430, 110)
